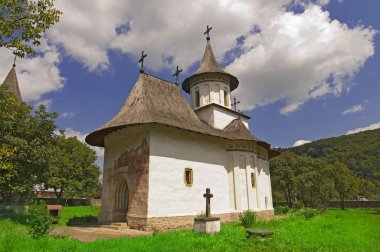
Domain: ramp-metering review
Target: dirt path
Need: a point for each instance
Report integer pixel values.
(89, 234)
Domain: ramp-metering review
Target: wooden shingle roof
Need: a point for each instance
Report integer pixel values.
(153, 100)
(208, 66)
(12, 83)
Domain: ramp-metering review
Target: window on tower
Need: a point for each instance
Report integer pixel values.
(197, 98)
(253, 180)
(226, 102)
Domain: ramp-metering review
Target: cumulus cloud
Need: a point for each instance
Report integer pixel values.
(300, 142)
(36, 75)
(281, 55)
(354, 109)
(67, 114)
(369, 127)
(298, 57)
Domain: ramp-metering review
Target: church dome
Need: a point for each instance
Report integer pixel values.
(209, 69)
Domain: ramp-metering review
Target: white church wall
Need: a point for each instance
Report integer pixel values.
(218, 117)
(210, 92)
(172, 151)
(264, 185)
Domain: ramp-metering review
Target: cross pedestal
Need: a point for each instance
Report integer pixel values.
(207, 224)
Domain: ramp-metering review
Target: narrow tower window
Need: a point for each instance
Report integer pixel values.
(197, 98)
(226, 103)
(253, 180)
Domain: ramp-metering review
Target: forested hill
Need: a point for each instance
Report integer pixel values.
(360, 152)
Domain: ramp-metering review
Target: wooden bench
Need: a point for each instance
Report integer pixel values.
(259, 232)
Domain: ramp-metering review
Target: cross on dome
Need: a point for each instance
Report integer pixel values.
(207, 32)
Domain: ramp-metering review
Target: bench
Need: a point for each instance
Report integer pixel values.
(259, 232)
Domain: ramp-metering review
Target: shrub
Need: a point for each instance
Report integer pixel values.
(201, 215)
(308, 213)
(247, 219)
(39, 220)
(281, 209)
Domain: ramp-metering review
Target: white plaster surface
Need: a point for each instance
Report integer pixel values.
(210, 92)
(174, 150)
(209, 227)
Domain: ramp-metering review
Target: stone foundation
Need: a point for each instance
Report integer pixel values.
(184, 222)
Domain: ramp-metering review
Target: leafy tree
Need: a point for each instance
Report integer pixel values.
(22, 23)
(72, 171)
(345, 181)
(24, 137)
(283, 176)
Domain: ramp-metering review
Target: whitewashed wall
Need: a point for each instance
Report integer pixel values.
(218, 117)
(210, 92)
(172, 151)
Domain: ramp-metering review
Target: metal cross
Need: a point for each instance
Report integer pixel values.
(142, 61)
(14, 61)
(208, 196)
(235, 103)
(207, 32)
(176, 74)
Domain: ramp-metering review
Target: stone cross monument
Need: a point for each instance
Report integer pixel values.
(208, 196)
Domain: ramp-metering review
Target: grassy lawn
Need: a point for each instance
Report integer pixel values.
(336, 230)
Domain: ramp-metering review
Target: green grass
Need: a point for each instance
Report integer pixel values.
(336, 230)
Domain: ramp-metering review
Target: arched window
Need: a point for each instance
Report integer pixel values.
(197, 98)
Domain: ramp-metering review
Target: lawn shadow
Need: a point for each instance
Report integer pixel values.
(83, 221)
(376, 211)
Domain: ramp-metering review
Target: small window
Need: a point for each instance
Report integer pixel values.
(226, 103)
(197, 98)
(253, 180)
(189, 177)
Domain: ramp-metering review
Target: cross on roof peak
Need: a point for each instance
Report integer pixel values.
(207, 32)
(176, 74)
(142, 61)
(14, 61)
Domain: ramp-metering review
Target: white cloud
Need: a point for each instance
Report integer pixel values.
(300, 142)
(67, 114)
(291, 58)
(354, 109)
(36, 75)
(81, 137)
(298, 57)
(370, 127)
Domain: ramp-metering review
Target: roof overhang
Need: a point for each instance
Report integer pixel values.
(233, 81)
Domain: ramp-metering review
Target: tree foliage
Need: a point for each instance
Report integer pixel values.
(24, 137)
(72, 171)
(22, 23)
(31, 153)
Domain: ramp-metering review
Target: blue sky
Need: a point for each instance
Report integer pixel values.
(307, 71)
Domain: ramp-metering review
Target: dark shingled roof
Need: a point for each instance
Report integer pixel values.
(12, 83)
(153, 100)
(209, 65)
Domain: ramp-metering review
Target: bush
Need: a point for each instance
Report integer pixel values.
(308, 213)
(281, 210)
(39, 220)
(247, 219)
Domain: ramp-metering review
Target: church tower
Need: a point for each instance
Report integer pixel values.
(210, 90)
(12, 84)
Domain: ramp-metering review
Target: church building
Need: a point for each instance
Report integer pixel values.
(161, 153)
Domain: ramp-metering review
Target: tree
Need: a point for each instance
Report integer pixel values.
(22, 23)
(24, 138)
(345, 181)
(72, 171)
(283, 170)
